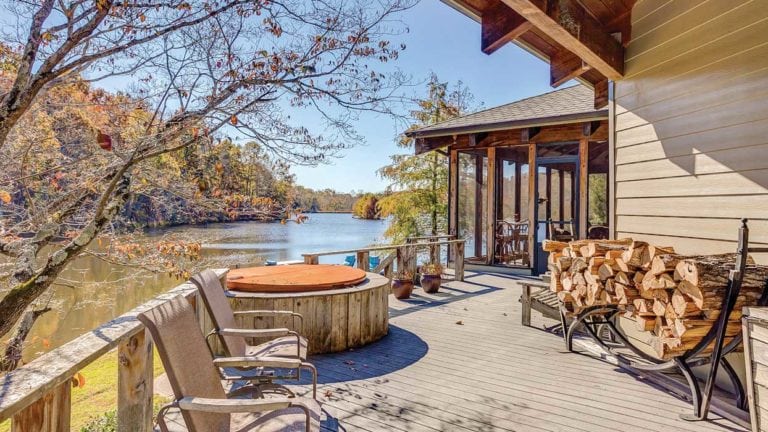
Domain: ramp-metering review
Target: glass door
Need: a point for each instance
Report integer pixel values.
(557, 189)
(472, 203)
(512, 231)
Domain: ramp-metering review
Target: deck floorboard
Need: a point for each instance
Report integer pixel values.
(488, 373)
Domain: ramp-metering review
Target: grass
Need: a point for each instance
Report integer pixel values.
(99, 394)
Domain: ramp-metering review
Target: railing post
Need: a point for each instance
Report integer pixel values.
(411, 258)
(50, 413)
(311, 259)
(134, 384)
(458, 260)
(362, 260)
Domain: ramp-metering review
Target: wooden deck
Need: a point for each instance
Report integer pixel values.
(461, 361)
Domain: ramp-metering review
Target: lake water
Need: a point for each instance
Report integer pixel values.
(101, 291)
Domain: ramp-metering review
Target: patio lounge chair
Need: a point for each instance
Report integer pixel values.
(349, 260)
(198, 391)
(286, 343)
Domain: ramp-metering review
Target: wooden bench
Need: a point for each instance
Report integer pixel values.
(537, 296)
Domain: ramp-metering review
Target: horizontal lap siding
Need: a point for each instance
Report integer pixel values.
(691, 144)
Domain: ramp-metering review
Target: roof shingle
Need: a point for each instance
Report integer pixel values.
(565, 104)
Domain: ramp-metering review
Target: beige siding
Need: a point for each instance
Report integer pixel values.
(691, 125)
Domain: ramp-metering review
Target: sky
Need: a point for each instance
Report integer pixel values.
(446, 42)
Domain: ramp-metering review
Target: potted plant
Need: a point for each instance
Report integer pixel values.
(402, 284)
(430, 277)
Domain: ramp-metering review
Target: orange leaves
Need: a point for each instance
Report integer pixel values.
(5, 197)
(78, 381)
(233, 120)
(104, 140)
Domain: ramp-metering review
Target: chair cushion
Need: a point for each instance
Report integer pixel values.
(281, 347)
(288, 420)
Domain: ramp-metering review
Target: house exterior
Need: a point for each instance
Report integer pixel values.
(684, 85)
(495, 203)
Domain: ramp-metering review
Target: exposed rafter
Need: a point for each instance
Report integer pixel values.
(500, 25)
(571, 26)
(565, 66)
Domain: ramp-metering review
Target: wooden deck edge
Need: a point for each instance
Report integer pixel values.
(723, 408)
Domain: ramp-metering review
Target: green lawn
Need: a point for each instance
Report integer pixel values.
(99, 394)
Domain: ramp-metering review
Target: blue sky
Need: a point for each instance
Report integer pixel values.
(443, 41)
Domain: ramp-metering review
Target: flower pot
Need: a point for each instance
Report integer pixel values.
(431, 283)
(402, 289)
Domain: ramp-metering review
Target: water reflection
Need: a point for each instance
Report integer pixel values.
(86, 301)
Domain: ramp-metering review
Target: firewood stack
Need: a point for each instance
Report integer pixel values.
(674, 297)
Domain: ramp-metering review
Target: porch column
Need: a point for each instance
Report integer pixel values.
(453, 190)
(583, 186)
(490, 214)
(532, 176)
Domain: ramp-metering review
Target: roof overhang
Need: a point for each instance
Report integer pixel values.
(516, 124)
(579, 42)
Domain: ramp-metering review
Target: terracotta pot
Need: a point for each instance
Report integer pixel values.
(402, 289)
(431, 283)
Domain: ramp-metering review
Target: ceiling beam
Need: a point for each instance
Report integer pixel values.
(565, 66)
(499, 25)
(571, 26)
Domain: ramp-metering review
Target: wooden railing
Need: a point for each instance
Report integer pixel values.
(37, 395)
(401, 257)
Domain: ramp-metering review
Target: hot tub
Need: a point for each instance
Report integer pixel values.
(336, 317)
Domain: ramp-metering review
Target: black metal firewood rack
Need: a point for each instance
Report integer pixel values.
(599, 322)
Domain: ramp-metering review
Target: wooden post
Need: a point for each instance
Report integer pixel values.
(478, 228)
(453, 197)
(458, 251)
(583, 186)
(362, 260)
(533, 175)
(134, 384)
(434, 252)
(50, 413)
(490, 212)
(311, 259)
(518, 183)
(526, 300)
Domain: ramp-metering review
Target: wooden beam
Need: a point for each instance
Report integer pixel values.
(601, 94)
(565, 66)
(50, 413)
(571, 26)
(478, 229)
(477, 138)
(500, 25)
(583, 186)
(490, 213)
(453, 190)
(527, 134)
(532, 198)
(589, 128)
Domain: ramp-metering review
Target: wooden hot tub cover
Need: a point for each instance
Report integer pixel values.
(294, 278)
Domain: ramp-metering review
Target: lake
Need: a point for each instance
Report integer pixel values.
(96, 291)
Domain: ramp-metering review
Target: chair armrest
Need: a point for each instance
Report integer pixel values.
(235, 405)
(269, 362)
(278, 332)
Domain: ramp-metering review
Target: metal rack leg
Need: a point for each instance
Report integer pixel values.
(741, 397)
(693, 383)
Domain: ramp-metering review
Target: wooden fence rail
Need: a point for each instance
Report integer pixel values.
(37, 396)
(403, 257)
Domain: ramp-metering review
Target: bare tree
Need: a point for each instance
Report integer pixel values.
(195, 70)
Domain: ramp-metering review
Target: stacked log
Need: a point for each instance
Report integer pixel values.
(676, 298)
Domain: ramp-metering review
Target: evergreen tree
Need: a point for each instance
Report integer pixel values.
(417, 195)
